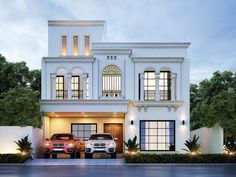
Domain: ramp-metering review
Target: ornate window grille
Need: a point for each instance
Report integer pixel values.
(111, 81)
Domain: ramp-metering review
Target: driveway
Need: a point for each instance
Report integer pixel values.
(79, 162)
(120, 171)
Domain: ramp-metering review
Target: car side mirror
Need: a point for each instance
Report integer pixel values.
(47, 139)
(115, 139)
(86, 139)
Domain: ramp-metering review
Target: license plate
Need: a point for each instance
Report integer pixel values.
(57, 149)
(100, 149)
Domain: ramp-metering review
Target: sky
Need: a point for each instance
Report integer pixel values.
(210, 26)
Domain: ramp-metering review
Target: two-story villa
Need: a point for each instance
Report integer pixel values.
(126, 89)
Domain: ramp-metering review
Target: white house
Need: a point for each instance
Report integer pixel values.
(127, 89)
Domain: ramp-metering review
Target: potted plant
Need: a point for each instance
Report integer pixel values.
(24, 146)
(192, 145)
(132, 145)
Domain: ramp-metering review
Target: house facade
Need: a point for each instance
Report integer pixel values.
(90, 85)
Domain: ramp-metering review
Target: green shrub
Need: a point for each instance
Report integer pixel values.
(24, 146)
(13, 158)
(132, 145)
(180, 158)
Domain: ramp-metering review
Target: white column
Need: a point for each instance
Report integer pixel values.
(69, 75)
(157, 87)
(53, 91)
(85, 76)
(173, 86)
(142, 86)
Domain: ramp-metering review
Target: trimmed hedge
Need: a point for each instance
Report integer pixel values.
(179, 158)
(13, 158)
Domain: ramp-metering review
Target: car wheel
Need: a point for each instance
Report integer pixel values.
(77, 154)
(113, 155)
(54, 156)
(72, 155)
(47, 156)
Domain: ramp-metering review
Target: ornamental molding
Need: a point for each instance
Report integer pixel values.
(170, 105)
(69, 59)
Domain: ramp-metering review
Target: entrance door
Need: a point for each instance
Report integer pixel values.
(116, 130)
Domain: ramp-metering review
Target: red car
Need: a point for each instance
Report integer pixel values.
(63, 143)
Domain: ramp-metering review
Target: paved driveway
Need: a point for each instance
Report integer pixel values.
(81, 162)
(120, 171)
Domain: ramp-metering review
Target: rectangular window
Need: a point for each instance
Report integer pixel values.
(86, 47)
(149, 85)
(75, 46)
(76, 93)
(157, 135)
(60, 88)
(83, 130)
(63, 46)
(164, 85)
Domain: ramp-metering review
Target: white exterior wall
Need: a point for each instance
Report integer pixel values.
(211, 139)
(9, 134)
(132, 59)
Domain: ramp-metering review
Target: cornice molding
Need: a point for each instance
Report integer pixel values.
(69, 59)
(112, 51)
(157, 59)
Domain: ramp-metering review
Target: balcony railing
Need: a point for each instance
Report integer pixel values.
(150, 95)
(111, 93)
(77, 94)
(63, 94)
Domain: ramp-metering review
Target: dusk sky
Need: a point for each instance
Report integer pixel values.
(210, 26)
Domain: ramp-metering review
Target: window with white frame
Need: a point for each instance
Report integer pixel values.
(76, 93)
(157, 135)
(60, 92)
(111, 81)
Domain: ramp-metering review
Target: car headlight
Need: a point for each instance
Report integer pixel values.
(89, 144)
(111, 144)
(47, 144)
(70, 144)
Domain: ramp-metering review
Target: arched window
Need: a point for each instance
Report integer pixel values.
(111, 81)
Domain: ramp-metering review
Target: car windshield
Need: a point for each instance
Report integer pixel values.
(100, 137)
(62, 137)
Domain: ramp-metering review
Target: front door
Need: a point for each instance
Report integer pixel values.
(116, 130)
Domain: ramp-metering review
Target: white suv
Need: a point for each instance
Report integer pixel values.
(100, 143)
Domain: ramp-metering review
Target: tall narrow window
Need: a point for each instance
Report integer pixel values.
(111, 81)
(63, 46)
(149, 85)
(86, 47)
(60, 88)
(164, 85)
(75, 45)
(76, 93)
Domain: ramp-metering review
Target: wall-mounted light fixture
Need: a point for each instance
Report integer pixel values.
(132, 122)
(183, 122)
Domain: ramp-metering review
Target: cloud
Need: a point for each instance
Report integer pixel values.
(209, 26)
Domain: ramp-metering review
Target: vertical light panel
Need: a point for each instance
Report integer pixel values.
(75, 46)
(63, 46)
(86, 47)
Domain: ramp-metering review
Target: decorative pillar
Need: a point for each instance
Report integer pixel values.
(85, 76)
(142, 86)
(173, 86)
(157, 87)
(53, 82)
(69, 76)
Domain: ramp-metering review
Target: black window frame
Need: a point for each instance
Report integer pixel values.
(76, 93)
(148, 95)
(174, 148)
(84, 129)
(58, 96)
